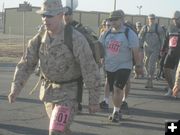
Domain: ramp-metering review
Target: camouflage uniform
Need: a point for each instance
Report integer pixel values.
(60, 68)
(152, 43)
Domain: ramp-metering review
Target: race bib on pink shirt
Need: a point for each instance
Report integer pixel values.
(59, 118)
(114, 47)
(173, 41)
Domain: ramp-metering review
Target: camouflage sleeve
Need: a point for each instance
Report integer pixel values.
(177, 81)
(89, 68)
(25, 66)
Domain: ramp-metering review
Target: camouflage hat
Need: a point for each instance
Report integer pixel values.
(151, 16)
(116, 14)
(51, 7)
(176, 15)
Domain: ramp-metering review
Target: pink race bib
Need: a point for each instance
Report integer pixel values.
(59, 118)
(173, 41)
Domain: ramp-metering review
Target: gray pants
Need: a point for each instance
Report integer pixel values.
(151, 57)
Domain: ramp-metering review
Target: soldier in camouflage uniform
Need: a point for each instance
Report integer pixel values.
(60, 69)
(151, 40)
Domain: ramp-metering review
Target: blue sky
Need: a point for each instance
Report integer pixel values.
(164, 8)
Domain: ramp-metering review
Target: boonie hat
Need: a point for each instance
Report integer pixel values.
(116, 14)
(69, 11)
(51, 7)
(151, 16)
(176, 15)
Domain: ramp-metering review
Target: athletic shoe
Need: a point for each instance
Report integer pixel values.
(124, 105)
(103, 105)
(169, 93)
(149, 84)
(115, 117)
(79, 107)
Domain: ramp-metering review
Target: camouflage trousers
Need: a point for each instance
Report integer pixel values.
(151, 58)
(72, 104)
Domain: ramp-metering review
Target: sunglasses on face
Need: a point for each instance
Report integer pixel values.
(114, 19)
(151, 18)
(47, 16)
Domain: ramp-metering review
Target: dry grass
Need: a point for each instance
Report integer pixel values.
(11, 48)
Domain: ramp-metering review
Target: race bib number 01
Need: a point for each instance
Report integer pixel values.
(59, 118)
(173, 41)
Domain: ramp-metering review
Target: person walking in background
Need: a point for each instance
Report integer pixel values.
(105, 25)
(138, 27)
(151, 39)
(172, 40)
(92, 39)
(118, 58)
(60, 69)
(68, 18)
(105, 103)
(141, 53)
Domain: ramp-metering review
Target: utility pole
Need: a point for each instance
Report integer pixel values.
(25, 7)
(2, 16)
(114, 4)
(72, 4)
(139, 7)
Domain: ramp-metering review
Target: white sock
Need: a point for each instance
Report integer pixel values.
(106, 100)
(124, 99)
(116, 109)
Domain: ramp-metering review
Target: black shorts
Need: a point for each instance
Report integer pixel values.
(172, 59)
(118, 78)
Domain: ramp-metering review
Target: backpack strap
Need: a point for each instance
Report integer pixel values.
(156, 31)
(68, 30)
(107, 33)
(126, 32)
(146, 29)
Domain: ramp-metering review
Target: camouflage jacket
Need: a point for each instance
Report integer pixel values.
(59, 64)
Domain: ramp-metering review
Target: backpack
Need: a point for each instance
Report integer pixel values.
(156, 30)
(97, 49)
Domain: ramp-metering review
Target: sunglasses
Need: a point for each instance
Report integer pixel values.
(114, 19)
(151, 18)
(47, 16)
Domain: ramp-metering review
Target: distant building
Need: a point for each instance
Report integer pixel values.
(13, 20)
